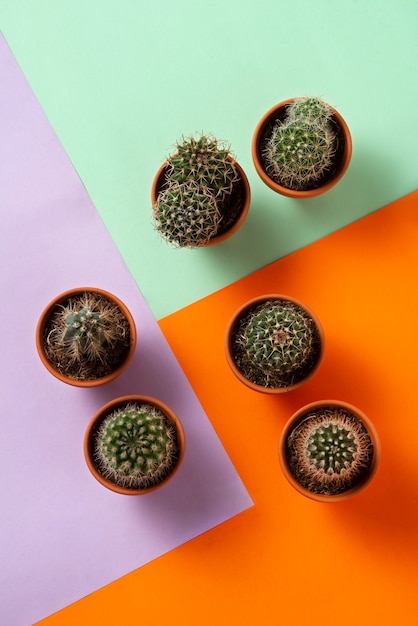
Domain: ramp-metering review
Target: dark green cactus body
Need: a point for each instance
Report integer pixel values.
(136, 447)
(329, 451)
(301, 147)
(205, 161)
(186, 215)
(281, 338)
(84, 327)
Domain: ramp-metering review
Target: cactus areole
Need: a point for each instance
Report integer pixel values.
(301, 147)
(329, 450)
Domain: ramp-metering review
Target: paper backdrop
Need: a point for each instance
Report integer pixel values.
(62, 535)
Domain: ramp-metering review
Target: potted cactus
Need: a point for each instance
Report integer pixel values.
(301, 147)
(134, 444)
(200, 195)
(329, 451)
(86, 337)
(274, 343)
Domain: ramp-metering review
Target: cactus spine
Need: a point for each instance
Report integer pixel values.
(281, 340)
(301, 148)
(329, 451)
(200, 177)
(136, 446)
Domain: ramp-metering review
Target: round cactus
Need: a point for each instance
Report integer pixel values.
(301, 148)
(309, 110)
(136, 446)
(204, 160)
(329, 451)
(186, 215)
(281, 339)
(87, 336)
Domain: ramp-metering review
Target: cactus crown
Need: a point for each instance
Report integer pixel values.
(281, 339)
(186, 214)
(136, 446)
(204, 160)
(329, 451)
(301, 148)
(191, 208)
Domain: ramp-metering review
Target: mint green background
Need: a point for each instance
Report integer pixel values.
(121, 81)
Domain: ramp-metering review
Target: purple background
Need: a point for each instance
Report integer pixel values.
(62, 534)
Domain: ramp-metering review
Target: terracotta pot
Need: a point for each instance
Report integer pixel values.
(159, 180)
(262, 130)
(228, 342)
(296, 417)
(43, 320)
(109, 408)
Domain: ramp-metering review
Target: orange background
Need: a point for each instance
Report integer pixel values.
(290, 560)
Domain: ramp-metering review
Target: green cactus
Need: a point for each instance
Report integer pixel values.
(87, 336)
(329, 451)
(281, 340)
(197, 200)
(136, 446)
(301, 148)
(186, 215)
(205, 160)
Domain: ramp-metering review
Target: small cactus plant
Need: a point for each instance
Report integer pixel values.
(278, 343)
(200, 197)
(301, 147)
(187, 214)
(87, 336)
(136, 446)
(329, 450)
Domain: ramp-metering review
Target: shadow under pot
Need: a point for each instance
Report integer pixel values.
(86, 337)
(274, 343)
(200, 195)
(301, 147)
(134, 445)
(329, 451)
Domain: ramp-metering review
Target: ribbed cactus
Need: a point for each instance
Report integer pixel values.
(186, 214)
(85, 334)
(329, 451)
(281, 339)
(205, 160)
(193, 204)
(88, 336)
(301, 148)
(136, 446)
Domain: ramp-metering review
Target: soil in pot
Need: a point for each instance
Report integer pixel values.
(86, 336)
(280, 359)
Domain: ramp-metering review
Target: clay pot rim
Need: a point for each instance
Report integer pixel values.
(310, 193)
(44, 318)
(115, 404)
(156, 184)
(246, 306)
(307, 408)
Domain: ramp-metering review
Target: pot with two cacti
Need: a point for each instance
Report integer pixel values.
(200, 195)
(301, 147)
